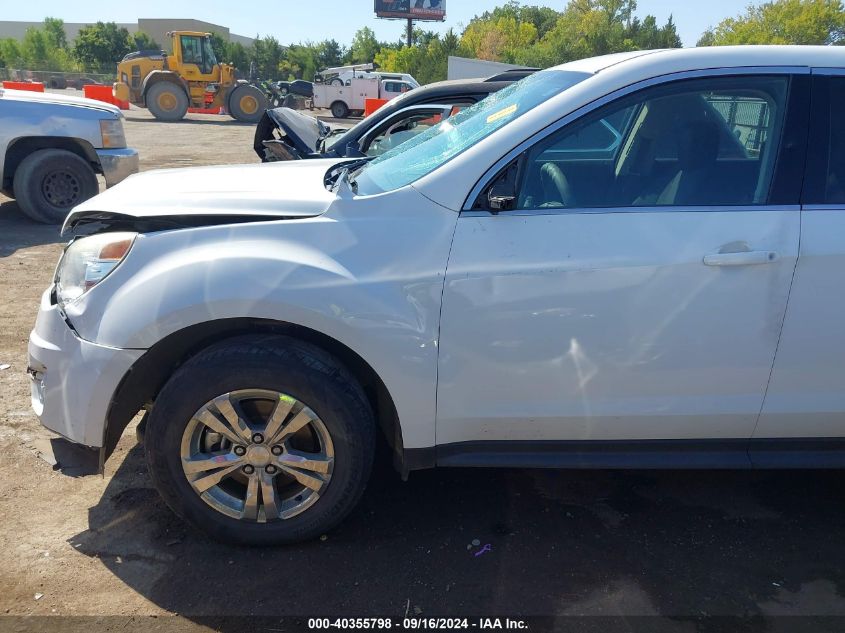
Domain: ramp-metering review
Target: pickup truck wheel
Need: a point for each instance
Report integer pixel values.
(50, 182)
(340, 110)
(261, 441)
(167, 101)
(247, 103)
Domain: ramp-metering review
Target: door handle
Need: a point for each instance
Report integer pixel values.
(743, 258)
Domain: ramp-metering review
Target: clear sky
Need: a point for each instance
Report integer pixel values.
(314, 20)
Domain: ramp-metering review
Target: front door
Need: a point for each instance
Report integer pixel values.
(626, 277)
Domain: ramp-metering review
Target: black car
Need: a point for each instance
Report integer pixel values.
(286, 134)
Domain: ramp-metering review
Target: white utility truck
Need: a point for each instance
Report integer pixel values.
(349, 98)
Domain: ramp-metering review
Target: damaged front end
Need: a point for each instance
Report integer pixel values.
(285, 134)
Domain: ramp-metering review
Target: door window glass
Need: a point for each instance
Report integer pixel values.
(835, 182)
(702, 142)
(191, 49)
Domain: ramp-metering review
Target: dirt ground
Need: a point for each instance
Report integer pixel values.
(678, 544)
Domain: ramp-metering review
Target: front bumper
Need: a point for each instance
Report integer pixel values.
(117, 164)
(73, 380)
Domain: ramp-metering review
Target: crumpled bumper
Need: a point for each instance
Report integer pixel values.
(73, 380)
(118, 164)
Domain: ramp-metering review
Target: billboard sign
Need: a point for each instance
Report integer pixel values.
(414, 9)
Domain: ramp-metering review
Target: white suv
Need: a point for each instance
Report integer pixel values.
(632, 261)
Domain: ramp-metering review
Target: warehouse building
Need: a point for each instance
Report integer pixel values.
(156, 28)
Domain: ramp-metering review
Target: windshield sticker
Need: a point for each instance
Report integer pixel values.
(501, 114)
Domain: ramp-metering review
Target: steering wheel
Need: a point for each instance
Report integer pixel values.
(555, 185)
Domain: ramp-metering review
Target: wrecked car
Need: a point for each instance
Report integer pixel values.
(287, 134)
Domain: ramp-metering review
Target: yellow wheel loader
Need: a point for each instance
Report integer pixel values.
(190, 77)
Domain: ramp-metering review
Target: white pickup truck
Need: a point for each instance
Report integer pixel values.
(53, 146)
(343, 100)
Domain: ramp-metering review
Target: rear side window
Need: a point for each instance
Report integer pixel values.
(834, 187)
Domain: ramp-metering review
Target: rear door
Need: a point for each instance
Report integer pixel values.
(626, 277)
(804, 413)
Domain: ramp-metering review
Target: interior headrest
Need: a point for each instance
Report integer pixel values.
(698, 144)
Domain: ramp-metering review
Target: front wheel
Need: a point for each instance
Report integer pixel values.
(50, 182)
(261, 440)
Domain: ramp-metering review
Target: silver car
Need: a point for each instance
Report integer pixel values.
(53, 146)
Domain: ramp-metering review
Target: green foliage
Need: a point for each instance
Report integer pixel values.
(233, 53)
(427, 60)
(782, 22)
(238, 55)
(267, 54)
(10, 54)
(40, 49)
(143, 42)
(100, 46)
(219, 44)
(364, 47)
(329, 53)
(54, 29)
(303, 61)
(543, 37)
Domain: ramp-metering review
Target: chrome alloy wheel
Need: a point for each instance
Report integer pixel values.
(257, 455)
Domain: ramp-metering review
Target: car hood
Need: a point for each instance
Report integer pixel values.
(211, 195)
(57, 99)
(301, 131)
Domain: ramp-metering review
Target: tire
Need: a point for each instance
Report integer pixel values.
(340, 110)
(50, 182)
(256, 366)
(167, 101)
(247, 104)
(336, 82)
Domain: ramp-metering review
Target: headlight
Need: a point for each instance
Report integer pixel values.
(89, 260)
(112, 132)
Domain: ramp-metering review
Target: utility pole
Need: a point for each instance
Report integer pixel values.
(410, 32)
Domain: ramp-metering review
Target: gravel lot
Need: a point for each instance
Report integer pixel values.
(682, 544)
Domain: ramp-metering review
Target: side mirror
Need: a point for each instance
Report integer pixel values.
(353, 149)
(500, 203)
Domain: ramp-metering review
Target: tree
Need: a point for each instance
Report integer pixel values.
(233, 53)
(499, 38)
(585, 28)
(303, 61)
(782, 22)
(10, 53)
(329, 53)
(364, 46)
(647, 35)
(101, 45)
(426, 62)
(219, 46)
(268, 55)
(238, 55)
(35, 49)
(54, 29)
(143, 42)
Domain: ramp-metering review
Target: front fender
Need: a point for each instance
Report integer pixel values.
(369, 274)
